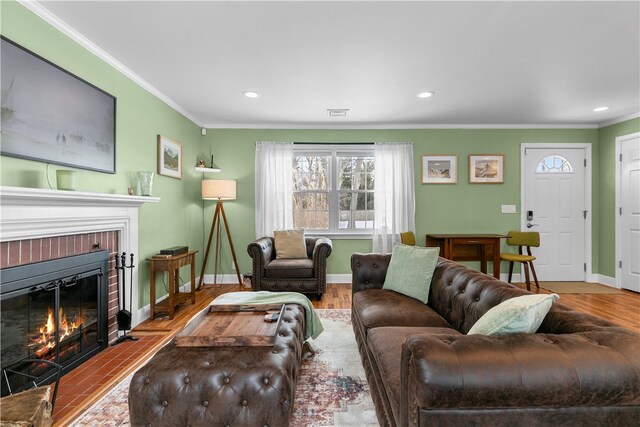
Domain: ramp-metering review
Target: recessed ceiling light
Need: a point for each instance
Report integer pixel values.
(251, 94)
(600, 109)
(426, 94)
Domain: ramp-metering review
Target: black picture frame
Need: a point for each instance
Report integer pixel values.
(53, 116)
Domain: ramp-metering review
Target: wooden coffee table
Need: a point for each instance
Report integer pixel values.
(231, 325)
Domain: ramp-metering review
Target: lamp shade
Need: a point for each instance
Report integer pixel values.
(218, 189)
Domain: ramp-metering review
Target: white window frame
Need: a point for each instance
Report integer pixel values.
(333, 151)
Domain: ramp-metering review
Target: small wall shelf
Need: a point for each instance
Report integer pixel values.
(207, 170)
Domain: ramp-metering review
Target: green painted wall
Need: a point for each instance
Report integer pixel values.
(177, 219)
(456, 208)
(606, 183)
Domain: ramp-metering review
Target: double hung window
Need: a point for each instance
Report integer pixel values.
(333, 188)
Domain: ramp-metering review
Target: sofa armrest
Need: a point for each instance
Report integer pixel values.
(262, 252)
(321, 251)
(368, 271)
(521, 370)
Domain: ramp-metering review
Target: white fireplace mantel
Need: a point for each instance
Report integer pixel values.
(40, 196)
(32, 213)
(29, 213)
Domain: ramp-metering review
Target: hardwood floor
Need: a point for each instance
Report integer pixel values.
(88, 383)
(621, 308)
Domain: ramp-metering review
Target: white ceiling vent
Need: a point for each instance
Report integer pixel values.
(337, 112)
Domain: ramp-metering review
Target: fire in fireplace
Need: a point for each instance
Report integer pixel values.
(54, 310)
(44, 341)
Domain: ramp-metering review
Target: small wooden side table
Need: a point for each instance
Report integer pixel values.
(469, 247)
(175, 297)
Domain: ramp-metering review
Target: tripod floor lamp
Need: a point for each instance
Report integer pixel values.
(218, 189)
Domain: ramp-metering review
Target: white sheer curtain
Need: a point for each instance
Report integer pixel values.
(274, 187)
(395, 206)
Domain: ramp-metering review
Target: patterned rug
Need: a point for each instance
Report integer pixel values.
(332, 388)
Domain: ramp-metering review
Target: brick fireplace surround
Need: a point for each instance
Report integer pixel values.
(38, 225)
(21, 252)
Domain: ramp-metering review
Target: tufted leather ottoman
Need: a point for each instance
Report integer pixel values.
(221, 386)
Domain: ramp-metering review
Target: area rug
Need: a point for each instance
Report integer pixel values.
(578, 288)
(332, 388)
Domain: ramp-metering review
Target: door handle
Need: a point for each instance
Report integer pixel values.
(529, 225)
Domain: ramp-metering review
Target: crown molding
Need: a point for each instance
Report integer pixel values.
(619, 120)
(350, 126)
(46, 15)
(74, 35)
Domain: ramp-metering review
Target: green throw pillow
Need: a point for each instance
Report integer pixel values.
(516, 315)
(410, 271)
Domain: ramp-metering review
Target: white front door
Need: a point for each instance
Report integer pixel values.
(554, 206)
(629, 213)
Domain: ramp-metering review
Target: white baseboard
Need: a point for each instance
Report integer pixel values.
(338, 278)
(605, 280)
(144, 313)
(597, 278)
(223, 279)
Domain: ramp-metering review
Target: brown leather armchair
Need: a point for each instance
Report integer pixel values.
(308, 275)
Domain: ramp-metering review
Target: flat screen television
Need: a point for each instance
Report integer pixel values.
(53, 116)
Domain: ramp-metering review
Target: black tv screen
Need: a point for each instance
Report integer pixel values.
(53, 116)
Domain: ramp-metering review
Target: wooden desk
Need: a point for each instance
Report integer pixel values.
(469, 247)
(175, 297)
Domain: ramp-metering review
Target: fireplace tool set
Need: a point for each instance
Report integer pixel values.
(124, 316)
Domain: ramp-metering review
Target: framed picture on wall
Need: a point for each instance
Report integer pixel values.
(439, 169)
(486, 168)
(169, 157)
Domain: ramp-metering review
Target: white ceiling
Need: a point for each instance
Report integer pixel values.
(489, 63)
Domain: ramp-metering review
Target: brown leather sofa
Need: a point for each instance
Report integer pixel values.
(308, 275)
(422, 368)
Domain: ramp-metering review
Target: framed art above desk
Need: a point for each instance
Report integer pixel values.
(469, 247)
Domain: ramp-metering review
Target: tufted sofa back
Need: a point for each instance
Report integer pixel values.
(462, 296)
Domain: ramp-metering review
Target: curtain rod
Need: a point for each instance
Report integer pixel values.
(333, 143)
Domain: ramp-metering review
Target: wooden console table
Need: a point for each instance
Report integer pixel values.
(469, 247)
(175, 297)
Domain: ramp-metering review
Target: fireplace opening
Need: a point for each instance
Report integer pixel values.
(54, 310)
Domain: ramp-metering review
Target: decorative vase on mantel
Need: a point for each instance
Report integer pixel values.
(145, 179)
